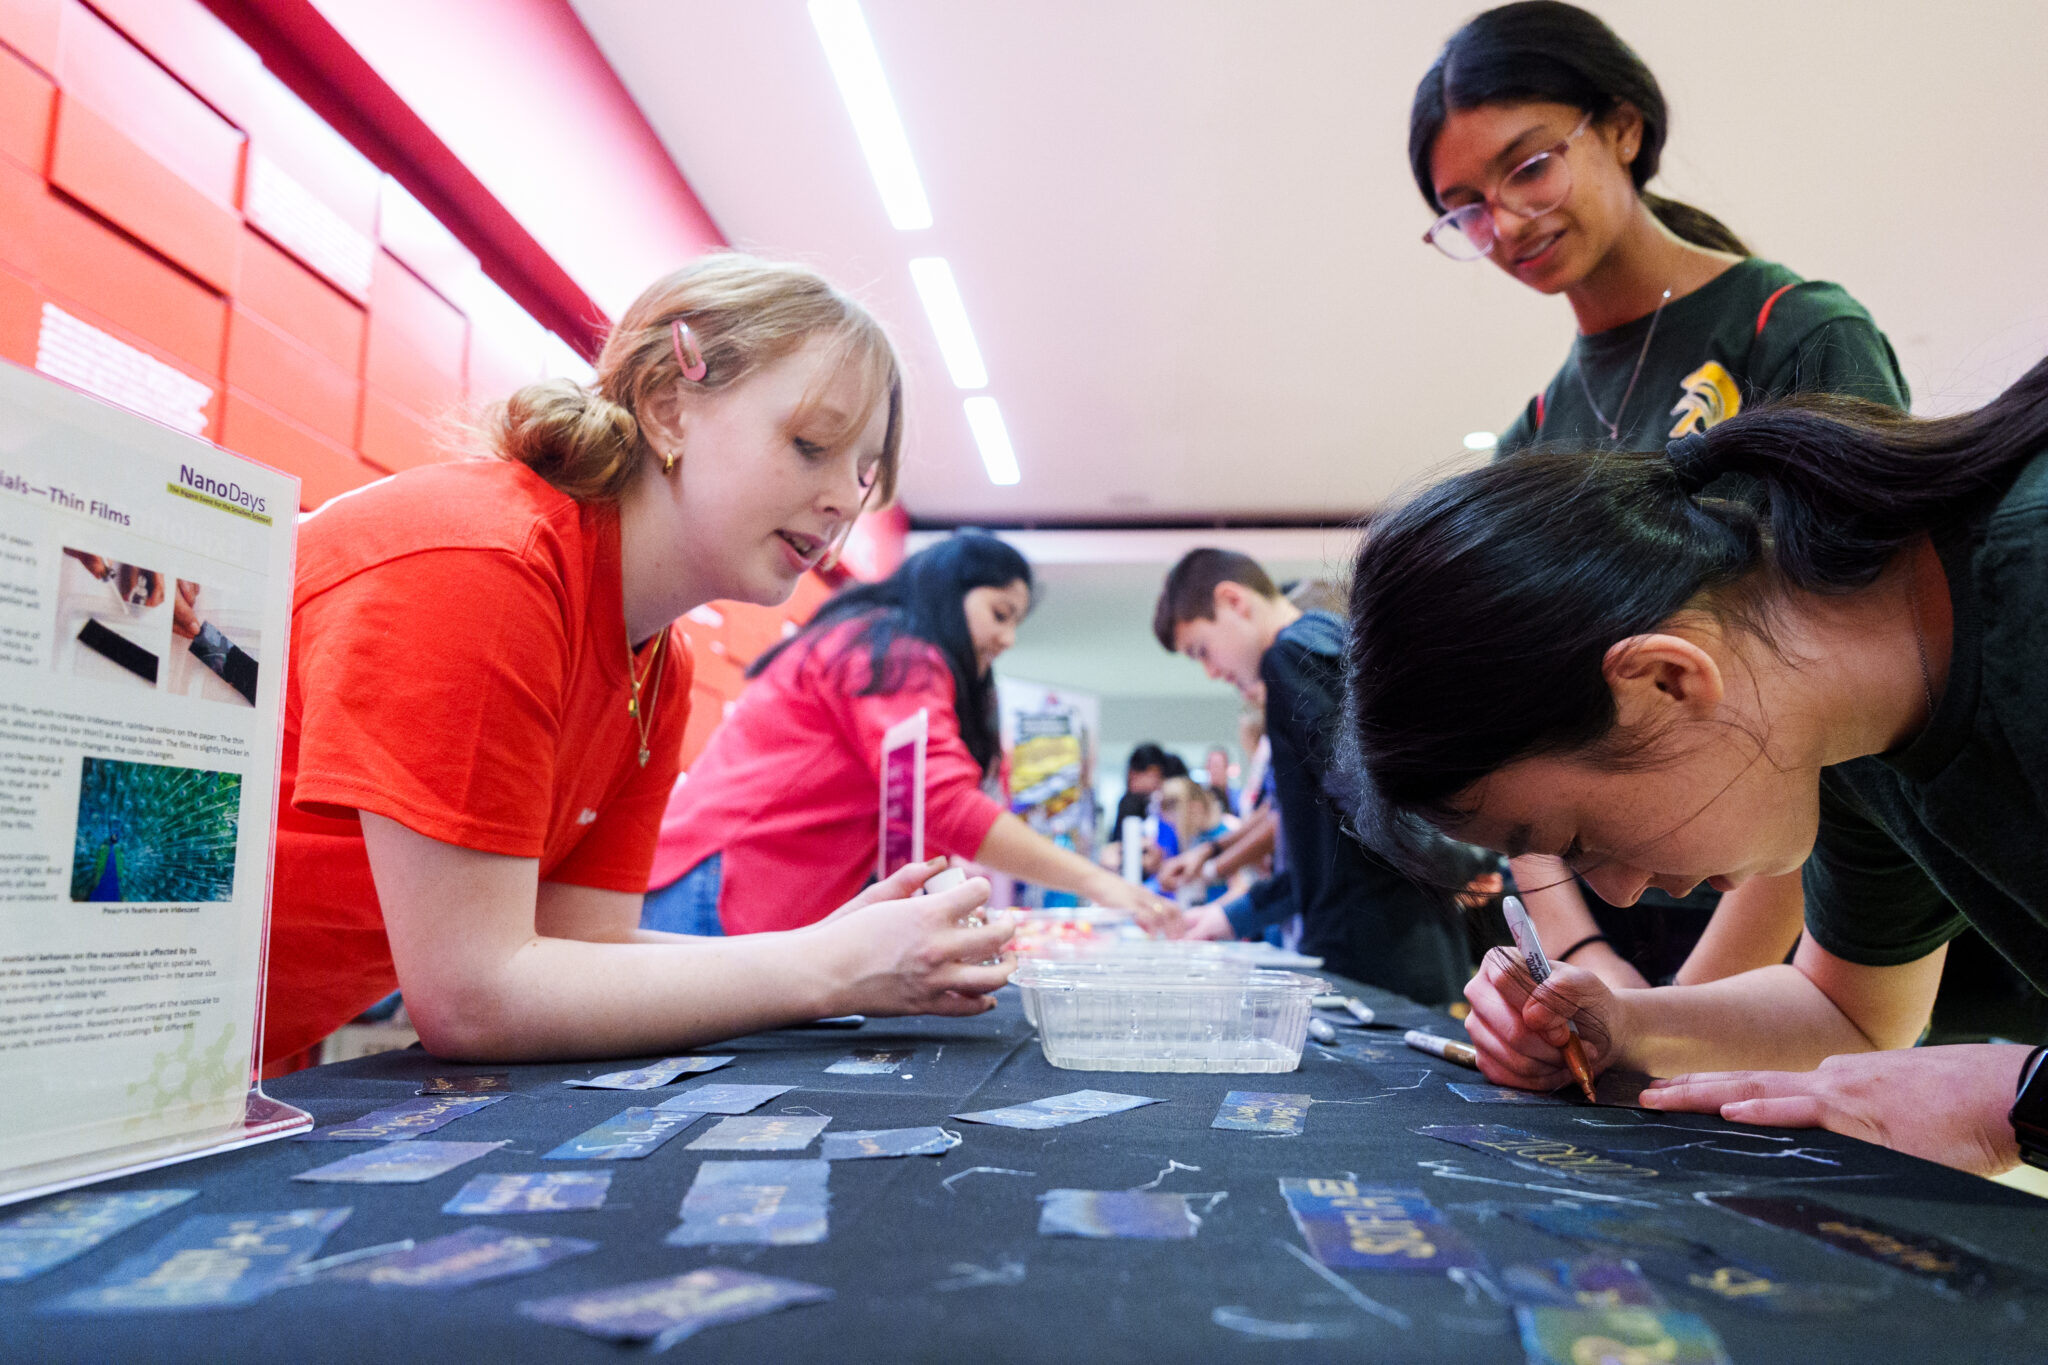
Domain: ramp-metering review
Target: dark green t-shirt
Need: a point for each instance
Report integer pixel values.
(1755, 332)
(1953, 829)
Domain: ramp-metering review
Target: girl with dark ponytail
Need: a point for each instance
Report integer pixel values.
(1535, 136)
(778, 815)
(1586, 655)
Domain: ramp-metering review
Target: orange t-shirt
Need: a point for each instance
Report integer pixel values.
(458, 664)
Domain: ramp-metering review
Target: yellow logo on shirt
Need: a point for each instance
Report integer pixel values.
(1711, 398)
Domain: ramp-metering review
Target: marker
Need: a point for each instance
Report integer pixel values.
(1358, 1009)
(1524, 931)
(1321, 1031)
(1464, 1054)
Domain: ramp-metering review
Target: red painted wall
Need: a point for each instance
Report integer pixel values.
(183, 232)
(519, 91)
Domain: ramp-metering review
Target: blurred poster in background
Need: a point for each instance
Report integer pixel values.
(1049, 737)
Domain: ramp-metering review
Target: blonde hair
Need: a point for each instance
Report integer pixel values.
(744, 313)
(1191, 796)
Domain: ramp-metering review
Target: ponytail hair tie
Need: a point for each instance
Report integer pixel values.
(1690, 461)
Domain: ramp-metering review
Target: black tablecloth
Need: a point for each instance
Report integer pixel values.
(926, 1271)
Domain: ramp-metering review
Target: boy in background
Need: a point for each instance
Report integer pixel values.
(1364, 919)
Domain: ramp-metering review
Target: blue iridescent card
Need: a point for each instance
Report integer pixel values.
(1056, 1111)
(470, 1256)
(1575, 1336)
(534, 1192)
(70, 1225)
(1546, 1156)
(400, 1163)
(402, 1121)
(1147, 1214)
(876, 1062)
(761, 1133)
(1259, 1111)
(654, 1076)
(723, 1099)
(212, 1261)
(1591, 1282)
(1362, 1227)
(772, 1203)
(666, 1311)
(625, 1136)
(1499, 1094)
(856, 1145)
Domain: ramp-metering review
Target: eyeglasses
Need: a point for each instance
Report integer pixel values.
(1532, 189)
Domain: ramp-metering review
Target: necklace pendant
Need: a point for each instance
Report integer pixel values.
(632, 706)
(645, 754)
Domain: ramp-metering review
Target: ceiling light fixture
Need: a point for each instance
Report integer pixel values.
(994, 439)
(1481, 440)
(851, 50)
(934, 281)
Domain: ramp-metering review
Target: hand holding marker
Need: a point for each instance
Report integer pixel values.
(1524, 931)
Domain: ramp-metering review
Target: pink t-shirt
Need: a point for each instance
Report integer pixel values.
(788, 789)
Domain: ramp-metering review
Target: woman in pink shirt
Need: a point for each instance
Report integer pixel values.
(776, 822)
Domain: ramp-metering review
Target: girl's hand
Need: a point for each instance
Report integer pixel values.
(1183, 867)
(1946, 1104)
(1519, 1027)
(917, 955)
(1160, 918)
(898, 885)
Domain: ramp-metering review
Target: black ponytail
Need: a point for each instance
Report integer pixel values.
(1549, 51)
(1848, 483)
(1482, 611)
(924, 600)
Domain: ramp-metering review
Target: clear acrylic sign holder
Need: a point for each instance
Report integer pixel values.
(145, 611)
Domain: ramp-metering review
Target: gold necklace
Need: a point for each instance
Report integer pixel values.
(643, 715)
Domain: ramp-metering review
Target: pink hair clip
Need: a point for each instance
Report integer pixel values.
(689, 359)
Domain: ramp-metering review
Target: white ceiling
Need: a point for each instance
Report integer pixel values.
(1189, 244)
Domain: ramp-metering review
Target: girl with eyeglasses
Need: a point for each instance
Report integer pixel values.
(1534, 136)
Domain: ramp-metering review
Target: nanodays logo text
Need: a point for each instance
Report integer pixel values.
(214, 488)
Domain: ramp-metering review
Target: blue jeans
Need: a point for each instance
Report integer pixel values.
(689, 904)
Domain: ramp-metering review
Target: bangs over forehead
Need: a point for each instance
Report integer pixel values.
(862, 352)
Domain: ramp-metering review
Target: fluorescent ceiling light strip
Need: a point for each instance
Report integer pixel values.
(934, 281)
(857, 68)
(993, 438)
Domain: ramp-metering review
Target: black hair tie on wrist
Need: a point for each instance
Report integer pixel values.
(1586, 942)
(1689, 460)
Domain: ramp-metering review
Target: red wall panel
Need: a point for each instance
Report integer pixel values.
(417, 238)
(395, 437)
(98, 165)
(21, 315)
(201, 52)
(27, 100)
(291, 298)
(72, 255)
(416, 342)
(31, 27)
(324, 467)
(175, 127)
(266, 364)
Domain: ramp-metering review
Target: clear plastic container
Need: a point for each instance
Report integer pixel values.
(1132, 1016)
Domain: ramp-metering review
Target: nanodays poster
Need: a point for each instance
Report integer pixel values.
(145, 598)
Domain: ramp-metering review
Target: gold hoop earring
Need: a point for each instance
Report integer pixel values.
(668, 462)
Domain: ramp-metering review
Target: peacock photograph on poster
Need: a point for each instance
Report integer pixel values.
(153, 832)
